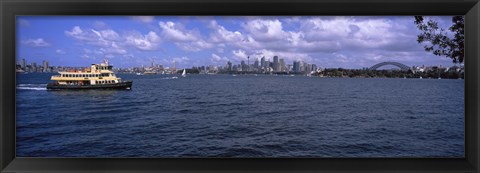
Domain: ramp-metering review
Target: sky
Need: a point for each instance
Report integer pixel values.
(133, 41)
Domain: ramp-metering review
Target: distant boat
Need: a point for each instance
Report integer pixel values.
(421, 77)
(184, 74)
(139, 74)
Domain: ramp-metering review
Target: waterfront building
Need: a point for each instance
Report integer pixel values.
(23, 65)
(282, 65)
(248, 63)
(275, 63)
(229, 66)
(314, 67)
(296, 66)
(34, 67)
(45, 66)
(243, 66)
(308, 68)
(262, 62)
(302, 66)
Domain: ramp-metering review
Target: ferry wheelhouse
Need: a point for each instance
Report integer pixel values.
(98, 76)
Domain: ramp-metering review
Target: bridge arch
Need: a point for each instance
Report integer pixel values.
(397, 64)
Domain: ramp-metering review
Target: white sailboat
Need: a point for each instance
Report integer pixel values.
(184, 74)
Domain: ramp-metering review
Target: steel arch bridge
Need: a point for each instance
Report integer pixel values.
(397, 64)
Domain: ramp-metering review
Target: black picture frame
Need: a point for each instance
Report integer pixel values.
(11, 8)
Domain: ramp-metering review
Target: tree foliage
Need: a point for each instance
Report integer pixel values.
(439, 41)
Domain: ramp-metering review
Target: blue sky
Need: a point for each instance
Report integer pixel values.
(133, 41)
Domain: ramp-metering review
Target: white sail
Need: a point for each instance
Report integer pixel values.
(184, 74)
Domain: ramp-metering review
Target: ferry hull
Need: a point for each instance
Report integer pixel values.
(123, 85)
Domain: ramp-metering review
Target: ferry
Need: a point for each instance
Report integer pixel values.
(98, 76)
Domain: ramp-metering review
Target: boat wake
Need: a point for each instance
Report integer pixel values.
(38, 87)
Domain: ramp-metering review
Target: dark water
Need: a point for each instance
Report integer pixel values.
(243, 116)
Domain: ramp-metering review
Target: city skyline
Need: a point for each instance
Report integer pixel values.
(346, 42)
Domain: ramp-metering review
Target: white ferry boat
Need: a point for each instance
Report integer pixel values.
(98, 76)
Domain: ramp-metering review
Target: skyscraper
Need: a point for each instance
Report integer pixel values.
(275, 63)
(248, 62)
(34, 67)
(308, 68)
(301, 66)
(243, 66)
(229, 66)
(296, 66)
(282, 65)
(45, 66)
(262, 62)
(23, 64)
(255, 64)
(314, 67)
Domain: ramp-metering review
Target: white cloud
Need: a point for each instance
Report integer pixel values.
(59, 51)
(187, 40)
(39, 42)
(240, 54)
(195, 46)
(216, 58)
(265, 30)
(113, 49)
(176, 32)
(220, 34)
(110, 43)
(181, 61)
(78, 34)
(143, 42)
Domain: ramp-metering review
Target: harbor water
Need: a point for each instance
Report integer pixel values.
(242, 116)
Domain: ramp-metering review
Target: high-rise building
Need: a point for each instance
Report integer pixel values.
(296, 66)
(229, 66)
(275, 63)
(301, 66)
(243, 66)
(45, 66)
(34, 67)
(23, 64)
(262, 63)
(308, 68)
(267, 64)
(282, 65)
